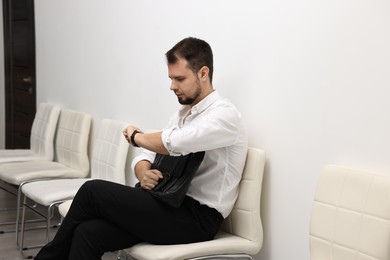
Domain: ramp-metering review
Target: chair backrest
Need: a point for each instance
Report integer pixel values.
(245, 220)
(72, 140)
(110, 152)
(43, 130)
(350, 218)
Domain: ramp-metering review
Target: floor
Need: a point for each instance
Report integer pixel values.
(8, 248)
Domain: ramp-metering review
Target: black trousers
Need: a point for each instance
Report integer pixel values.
(107, 216)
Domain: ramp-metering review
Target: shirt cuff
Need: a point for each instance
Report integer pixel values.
(145, 155)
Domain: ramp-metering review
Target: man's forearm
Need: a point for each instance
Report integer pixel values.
(151, 142)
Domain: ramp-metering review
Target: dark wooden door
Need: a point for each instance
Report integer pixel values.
(20, 87)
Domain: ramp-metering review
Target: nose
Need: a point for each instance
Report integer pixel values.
(173, 85)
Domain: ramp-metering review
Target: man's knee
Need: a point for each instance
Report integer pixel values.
(92, 184)
(82, 230)
(85, 233)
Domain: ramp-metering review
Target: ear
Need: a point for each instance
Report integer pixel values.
(203, 73)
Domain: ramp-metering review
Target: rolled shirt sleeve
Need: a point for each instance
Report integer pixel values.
(202, 131)
(144, 155)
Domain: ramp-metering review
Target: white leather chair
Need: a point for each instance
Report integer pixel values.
(241, 234)
(41, 139)
(71, 153)
(108, 163)
(71, 156)
(350, 218)
(41, 143)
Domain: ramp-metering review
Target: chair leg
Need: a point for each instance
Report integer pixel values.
(20, 239)
(21, 243)
(22, 229)
(19, 206)
(50, 215)
(49, 209)
(18, 199)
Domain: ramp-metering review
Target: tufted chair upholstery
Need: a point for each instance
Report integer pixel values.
(71, 153)
(350, 217)
(41, 139)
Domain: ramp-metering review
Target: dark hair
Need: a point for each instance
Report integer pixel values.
(196, 52)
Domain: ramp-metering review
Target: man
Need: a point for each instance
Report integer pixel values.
(106, 216)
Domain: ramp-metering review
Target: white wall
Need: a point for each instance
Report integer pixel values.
(310, 77)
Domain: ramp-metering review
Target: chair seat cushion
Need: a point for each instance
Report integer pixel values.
(17, 173)
(18, 155)
(63, 208)
(223, 243)
(50, 191)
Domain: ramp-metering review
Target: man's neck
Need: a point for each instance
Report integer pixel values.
(207, 91)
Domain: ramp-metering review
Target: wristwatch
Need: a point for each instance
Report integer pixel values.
(133, 136)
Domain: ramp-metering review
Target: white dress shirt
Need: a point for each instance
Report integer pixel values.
(215, 126)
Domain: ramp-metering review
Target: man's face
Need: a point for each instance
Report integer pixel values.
(185, 83)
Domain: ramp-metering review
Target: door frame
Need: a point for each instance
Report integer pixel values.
(8, 71)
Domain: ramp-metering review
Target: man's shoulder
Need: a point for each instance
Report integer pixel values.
(225, 103)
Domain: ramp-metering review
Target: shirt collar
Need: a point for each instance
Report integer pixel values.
(202, 105)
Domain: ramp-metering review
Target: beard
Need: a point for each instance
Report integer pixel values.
(191, 100)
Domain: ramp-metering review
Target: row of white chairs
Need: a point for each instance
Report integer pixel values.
(54, 180)
(59, 149)
(107, 162)
(350, 217)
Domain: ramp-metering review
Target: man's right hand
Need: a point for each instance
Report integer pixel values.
(150, 178)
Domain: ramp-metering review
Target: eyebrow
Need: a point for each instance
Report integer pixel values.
(177, 77)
